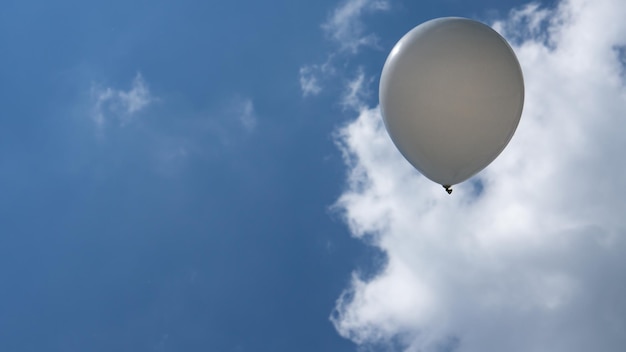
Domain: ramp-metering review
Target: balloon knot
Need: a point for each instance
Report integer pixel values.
(448, 188)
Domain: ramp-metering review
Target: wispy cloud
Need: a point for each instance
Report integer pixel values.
(229, 123)
(244, 109)
(345, 26)
(530, 254)
(203, 134)
(356, 92)
(309, 81)
(116, 104)
(312, 76)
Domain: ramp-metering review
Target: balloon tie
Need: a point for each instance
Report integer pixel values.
(448, 188)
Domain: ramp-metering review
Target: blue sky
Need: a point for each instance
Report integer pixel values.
(198, 176)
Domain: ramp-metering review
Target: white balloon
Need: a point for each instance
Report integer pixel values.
(451, 95)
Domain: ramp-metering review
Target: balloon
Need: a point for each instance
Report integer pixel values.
(451, 96)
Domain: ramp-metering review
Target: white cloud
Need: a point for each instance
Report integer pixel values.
(345, 25)
(357, 90)
(309, 81)
(534, 260)
(345, 28)
(244, 109)
(311, 76)
(109, 103)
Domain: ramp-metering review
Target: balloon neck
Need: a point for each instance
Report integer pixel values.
(448, 188)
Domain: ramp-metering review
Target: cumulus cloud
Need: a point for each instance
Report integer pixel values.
(109, 103)
(345, 25)
(530, 254)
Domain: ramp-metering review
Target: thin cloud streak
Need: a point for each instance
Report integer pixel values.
(356, 91)
(247, 115)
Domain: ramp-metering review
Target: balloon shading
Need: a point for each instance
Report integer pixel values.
(451, 96)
